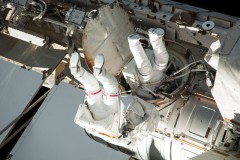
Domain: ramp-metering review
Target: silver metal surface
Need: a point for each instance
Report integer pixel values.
(197, 120)
(17, 88)
(52, 134)
(201, 121)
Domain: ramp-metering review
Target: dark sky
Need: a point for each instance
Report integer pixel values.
(229, 7)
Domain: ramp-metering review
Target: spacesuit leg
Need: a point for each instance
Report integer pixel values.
(109, 83)
(151, 72)
(161, 56)
(92, 88)
(142, 62)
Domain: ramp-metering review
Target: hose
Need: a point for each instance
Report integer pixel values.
(188, 72)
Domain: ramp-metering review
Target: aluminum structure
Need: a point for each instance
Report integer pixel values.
(160, 77)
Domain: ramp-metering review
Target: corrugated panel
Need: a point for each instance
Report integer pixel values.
(201, 121)
(53, 135)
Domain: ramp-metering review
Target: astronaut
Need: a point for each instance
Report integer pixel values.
(104, 102)
(101, 101)
(150, 72)
(150, 68)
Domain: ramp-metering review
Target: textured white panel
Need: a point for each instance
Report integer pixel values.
(227, 81)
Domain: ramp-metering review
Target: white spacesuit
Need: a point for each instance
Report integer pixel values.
(151, 72)
(106, 111)
(101, 102)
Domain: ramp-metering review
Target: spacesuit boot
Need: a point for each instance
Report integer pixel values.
(151, 67)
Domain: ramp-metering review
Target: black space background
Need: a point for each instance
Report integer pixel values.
(229, 7)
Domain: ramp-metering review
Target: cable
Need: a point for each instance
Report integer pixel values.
(91, 13)
(15, 133)
(25, 112)
(188, 72)
(187, 66)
